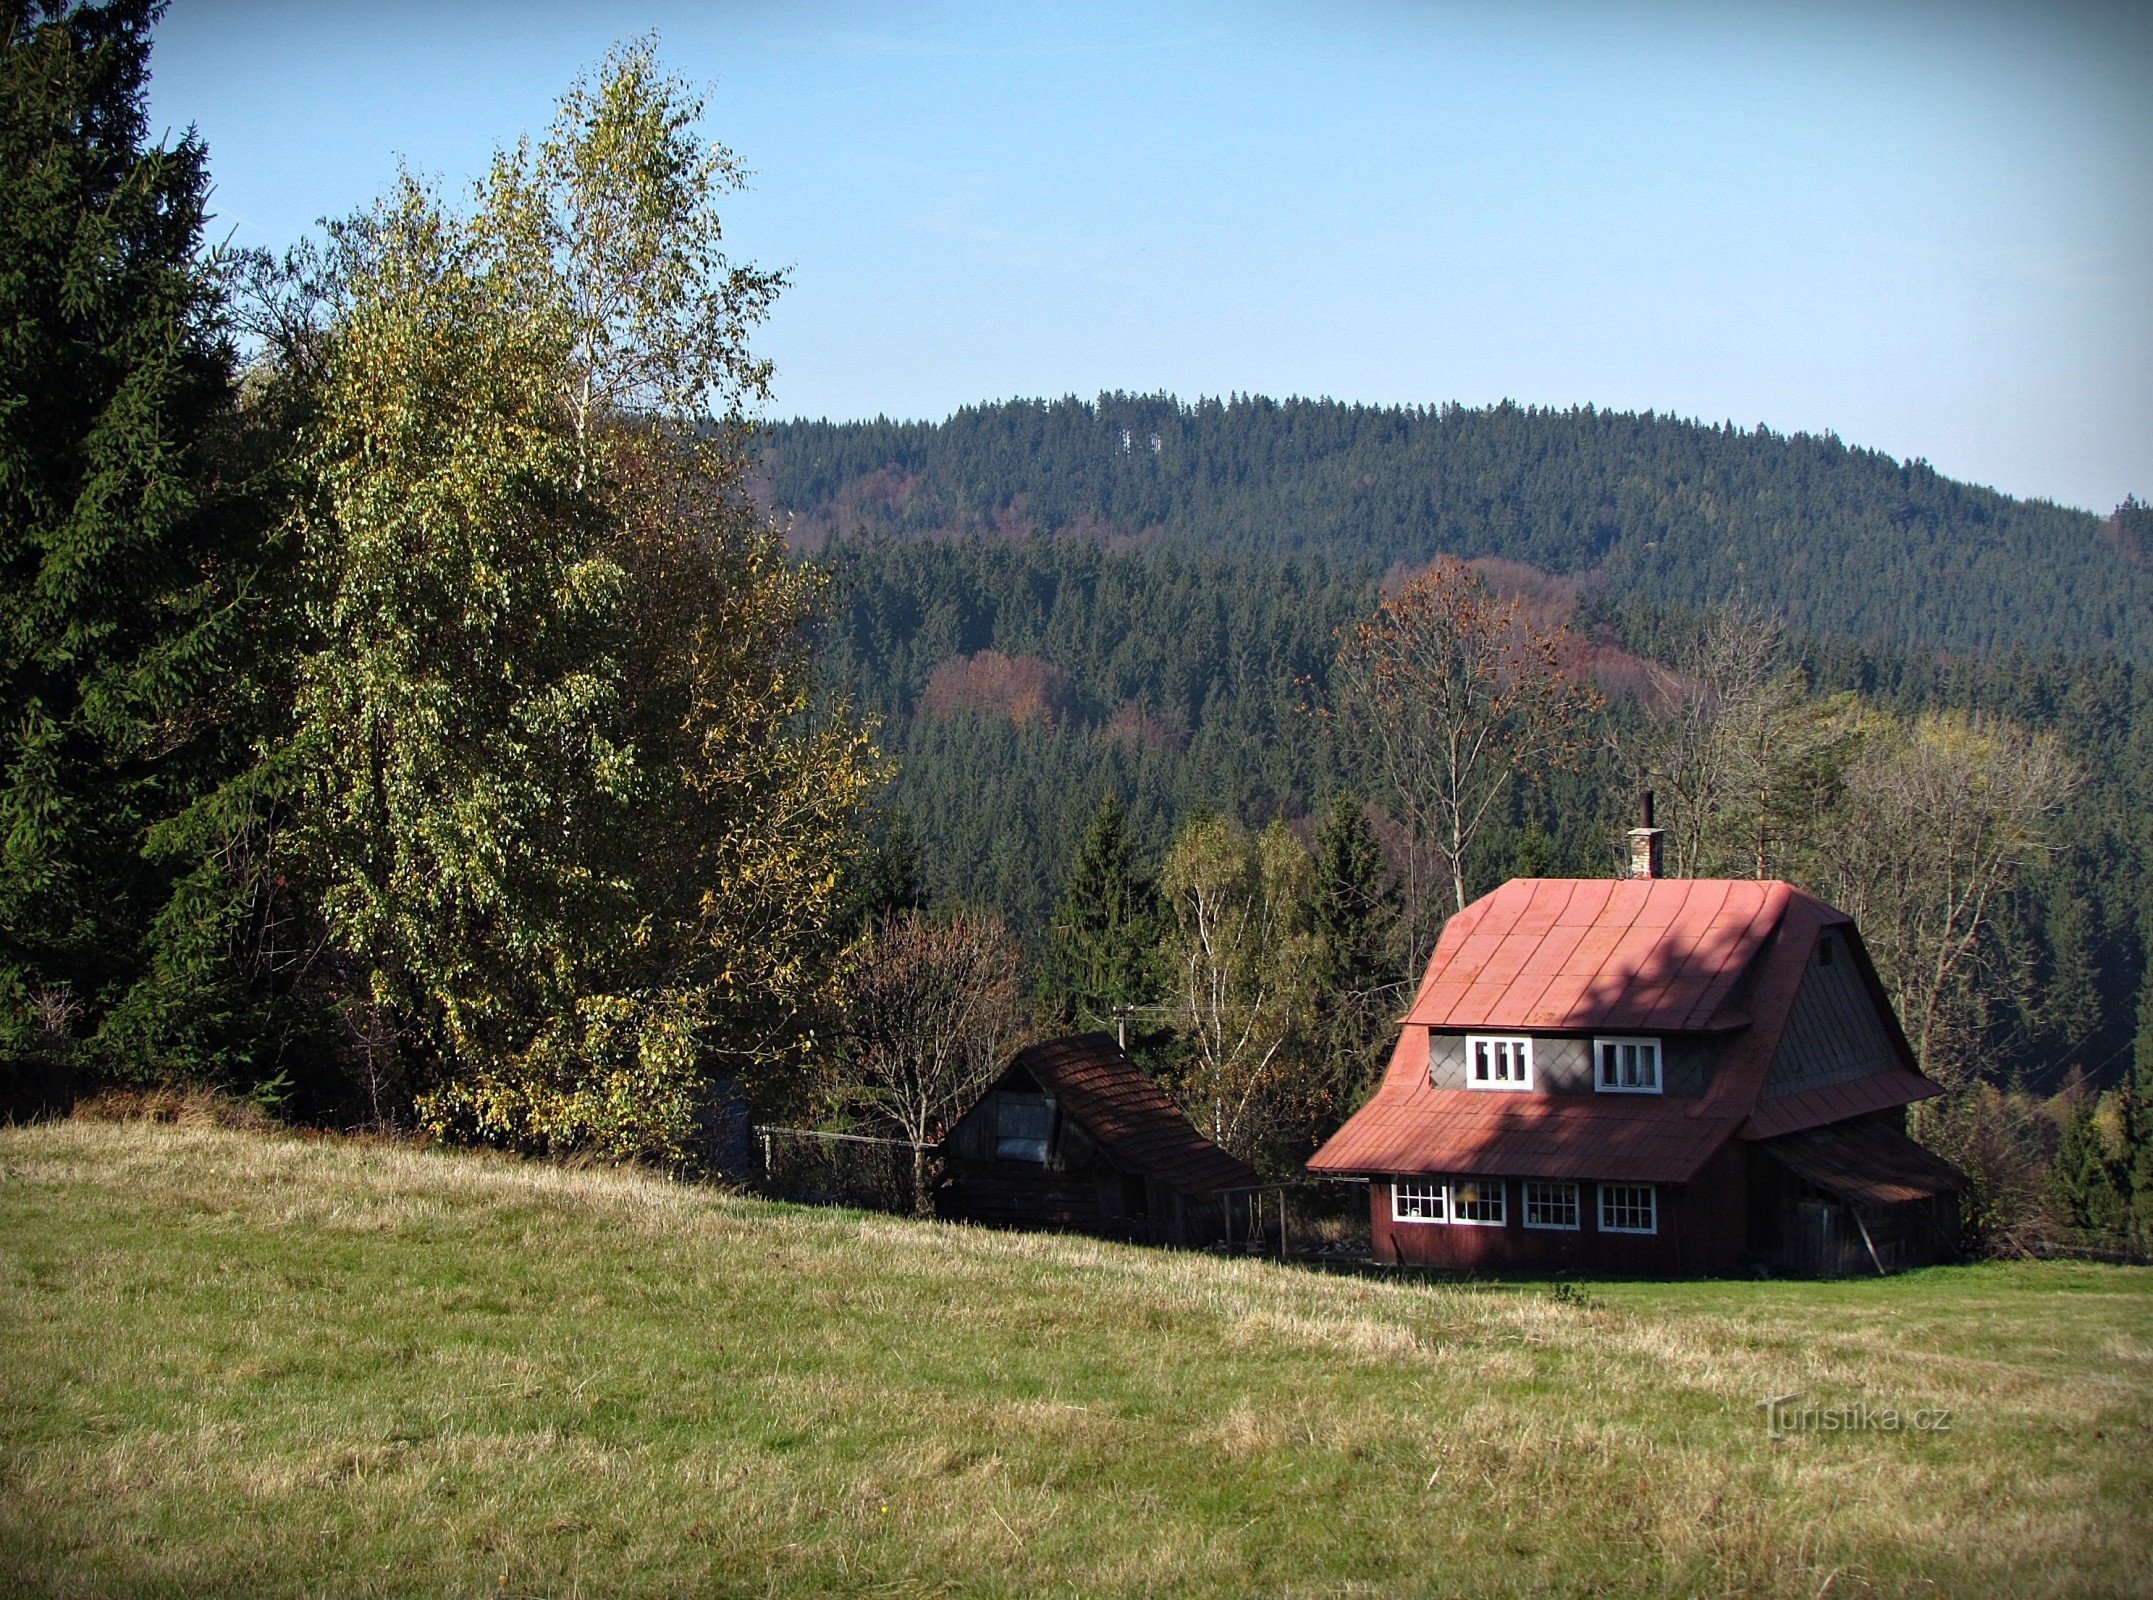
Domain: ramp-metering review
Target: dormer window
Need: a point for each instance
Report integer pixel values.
(1626, 1066)
(1497, 1062)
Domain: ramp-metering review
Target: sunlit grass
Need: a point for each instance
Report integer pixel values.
(244, 1363)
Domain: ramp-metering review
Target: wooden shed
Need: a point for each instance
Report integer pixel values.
(1661, 1077)
(1074, 1136)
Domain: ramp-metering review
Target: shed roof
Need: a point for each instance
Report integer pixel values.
(1118, 1104)
(1576, 955)
(1866, 1162)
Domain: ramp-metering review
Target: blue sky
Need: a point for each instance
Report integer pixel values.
(1927, 227)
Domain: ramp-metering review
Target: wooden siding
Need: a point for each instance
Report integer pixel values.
(1833, 1034)
(1702, 1229)
(1080, 1187)
(1797, 1229)
(1562, 1064)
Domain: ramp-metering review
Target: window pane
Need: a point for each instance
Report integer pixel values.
(1499, 1063)
(1023, 1123)
(1417, 1202)
(1629, 1064)
(1477, 1202)
(1550, 1205)
(1627, 1208)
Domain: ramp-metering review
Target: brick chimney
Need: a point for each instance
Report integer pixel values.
(1645, 841)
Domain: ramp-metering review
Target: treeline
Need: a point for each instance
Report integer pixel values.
(1837, 540)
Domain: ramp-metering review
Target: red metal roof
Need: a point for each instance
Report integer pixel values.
(1576, 955)
(1411, 1126)
(1661, 955)
(1118, 1104)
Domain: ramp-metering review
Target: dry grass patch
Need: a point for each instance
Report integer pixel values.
(241, 1362)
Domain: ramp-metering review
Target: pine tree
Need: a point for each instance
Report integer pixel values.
(2135, 1119)
(2070, 1002)
(1535, 852)
(2082, 1179)
(1102, 946)
(131, 559)
(1352, 919)
(885, 880)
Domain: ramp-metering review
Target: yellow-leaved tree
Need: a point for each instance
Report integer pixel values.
(575, 813)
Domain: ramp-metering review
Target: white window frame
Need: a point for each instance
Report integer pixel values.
(1565, 1188)
(1659, 1065)
(1521, 1047)
(1439, 1196)
(1502, 1203)
(1652, 1205)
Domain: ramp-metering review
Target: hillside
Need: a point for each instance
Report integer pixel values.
(237, 1363)
(1841, 541)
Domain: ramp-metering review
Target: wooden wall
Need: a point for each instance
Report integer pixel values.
(1701, 1231)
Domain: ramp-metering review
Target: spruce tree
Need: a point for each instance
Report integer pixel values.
(2082, 1180)
(1102, 946)
(2135, 1161)
(1535, 852)
(1353, 920)
(129, 566)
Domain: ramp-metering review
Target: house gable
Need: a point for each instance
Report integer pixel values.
(1835, 1033)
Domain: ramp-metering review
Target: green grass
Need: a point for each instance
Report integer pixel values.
(248, 1364)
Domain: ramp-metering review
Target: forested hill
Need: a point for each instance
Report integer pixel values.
(1840, 541)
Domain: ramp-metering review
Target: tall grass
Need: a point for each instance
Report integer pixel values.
(235, 1362)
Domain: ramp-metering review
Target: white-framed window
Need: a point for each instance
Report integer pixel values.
(1477, 1202)
(1023, 1123)
(1626, 1066)
(1418, 1201)
(1493, 1061)
(1550, 1204)
(1629, 1208)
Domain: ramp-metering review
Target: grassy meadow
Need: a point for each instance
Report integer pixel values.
(245, 1363)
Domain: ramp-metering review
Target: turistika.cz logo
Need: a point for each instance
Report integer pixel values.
(1785, 1417)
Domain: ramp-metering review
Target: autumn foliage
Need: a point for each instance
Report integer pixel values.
(1024, 689)
(1444, 696)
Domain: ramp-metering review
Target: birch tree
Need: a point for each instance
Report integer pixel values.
(1940, 821)
(1444, 696)
(577, 822)
(1237, 961)
(1742, 757)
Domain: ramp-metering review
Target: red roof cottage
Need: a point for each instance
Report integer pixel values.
(1649, 1075)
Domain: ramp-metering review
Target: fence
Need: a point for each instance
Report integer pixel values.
(837, 1169)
